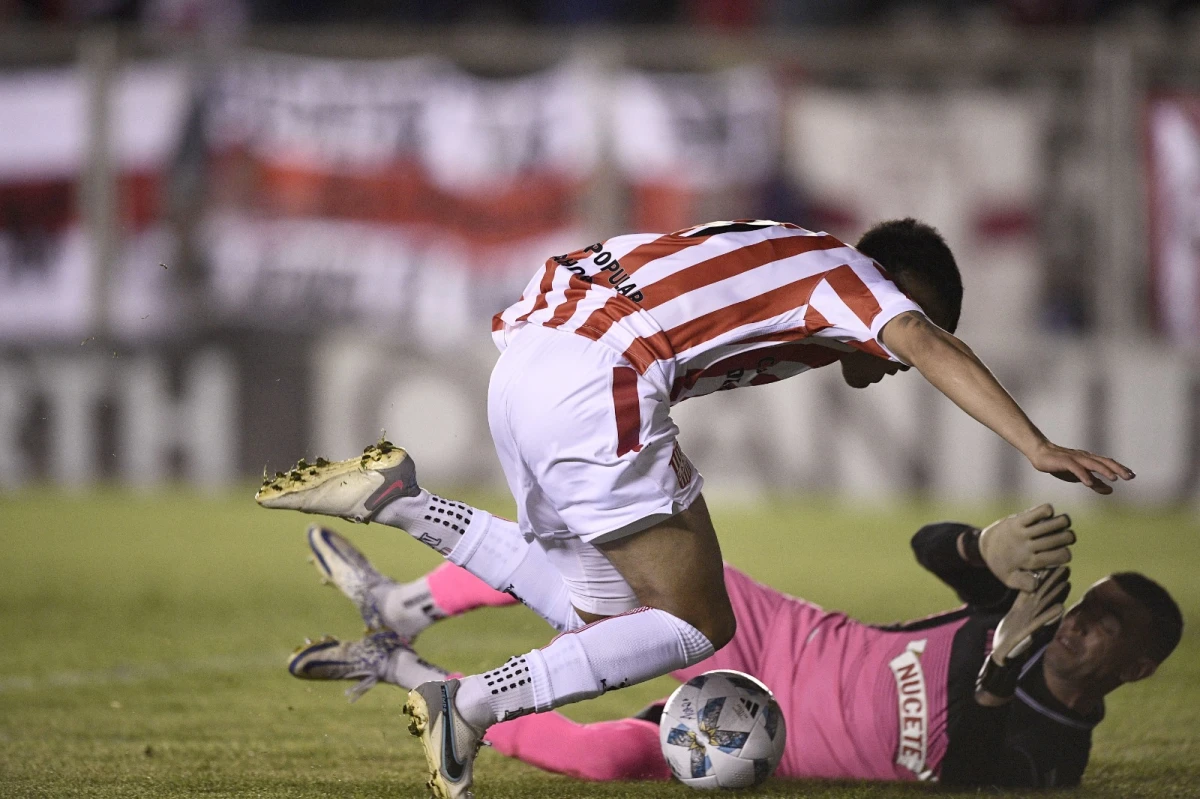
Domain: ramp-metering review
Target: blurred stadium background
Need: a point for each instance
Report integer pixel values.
(235, 232)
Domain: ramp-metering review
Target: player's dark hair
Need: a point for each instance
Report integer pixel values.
(915, 253)
(1166, 622)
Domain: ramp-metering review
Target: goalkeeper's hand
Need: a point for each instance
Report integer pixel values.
(1016, 546)
(1012, 643)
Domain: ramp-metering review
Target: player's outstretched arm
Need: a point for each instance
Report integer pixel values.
(953, 369)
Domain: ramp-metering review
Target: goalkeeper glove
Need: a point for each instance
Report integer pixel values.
(1012, 643)
(1016, 546)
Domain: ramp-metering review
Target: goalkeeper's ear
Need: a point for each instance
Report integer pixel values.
(1139, 669)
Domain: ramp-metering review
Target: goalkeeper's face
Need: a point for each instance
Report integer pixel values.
(1101, 641)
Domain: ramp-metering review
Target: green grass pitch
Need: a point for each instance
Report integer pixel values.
(144, 639)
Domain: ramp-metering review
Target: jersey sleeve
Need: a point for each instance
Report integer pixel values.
(936, 548)
(852, 304)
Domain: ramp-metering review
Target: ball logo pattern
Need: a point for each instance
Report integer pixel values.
(722, 729)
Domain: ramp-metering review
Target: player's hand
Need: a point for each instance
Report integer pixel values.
(1079, 466)
(1012, 642)
(1016, 546)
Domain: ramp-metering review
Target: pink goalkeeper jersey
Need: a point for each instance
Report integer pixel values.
(879, 696)
(717, 306)
(861, 702)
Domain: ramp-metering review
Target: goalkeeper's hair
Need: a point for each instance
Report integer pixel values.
(915, 253)
(1166, 622)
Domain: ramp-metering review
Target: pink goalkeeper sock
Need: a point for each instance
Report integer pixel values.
(455, 590)
(627, 749)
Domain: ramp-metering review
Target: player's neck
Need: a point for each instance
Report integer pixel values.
(1080, 696)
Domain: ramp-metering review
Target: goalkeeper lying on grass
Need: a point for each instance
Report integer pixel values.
(1003, 691)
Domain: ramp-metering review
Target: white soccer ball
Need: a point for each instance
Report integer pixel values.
(722, 729)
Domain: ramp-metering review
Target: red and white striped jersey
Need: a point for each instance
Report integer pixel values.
(715, 307)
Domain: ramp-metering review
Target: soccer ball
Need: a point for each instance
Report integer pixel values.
(722, 729)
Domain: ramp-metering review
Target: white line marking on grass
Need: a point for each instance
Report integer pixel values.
(130, 673)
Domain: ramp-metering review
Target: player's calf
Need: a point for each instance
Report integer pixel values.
(674, 568)
(450, 717)
(674, 564)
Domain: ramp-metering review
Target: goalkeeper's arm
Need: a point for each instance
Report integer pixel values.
(939, 548)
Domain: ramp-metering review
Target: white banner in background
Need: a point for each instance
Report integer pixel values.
(431, 292)
(351, 117)
(1173, 175)
(45, 266)
(47, 259)
(700, 131)
(391, 190)
(969, 163)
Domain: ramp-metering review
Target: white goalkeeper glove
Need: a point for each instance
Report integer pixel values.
(1012, 643)
(1016, 546)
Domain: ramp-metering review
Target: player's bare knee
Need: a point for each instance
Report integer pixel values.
(718, 624)
(724, 628)
(712, 618)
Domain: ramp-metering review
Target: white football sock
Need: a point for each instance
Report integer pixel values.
(407, 608)
(436, 522)
(491, 548)
(609, 654)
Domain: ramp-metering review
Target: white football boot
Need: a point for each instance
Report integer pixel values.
(331, 659)
(343, 566)
(354, 489)
(380, 657)
(450, 743)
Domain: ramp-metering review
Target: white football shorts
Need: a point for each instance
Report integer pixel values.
(590, 454)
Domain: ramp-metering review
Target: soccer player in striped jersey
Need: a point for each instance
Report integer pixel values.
(602, 344)
(866, 702)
